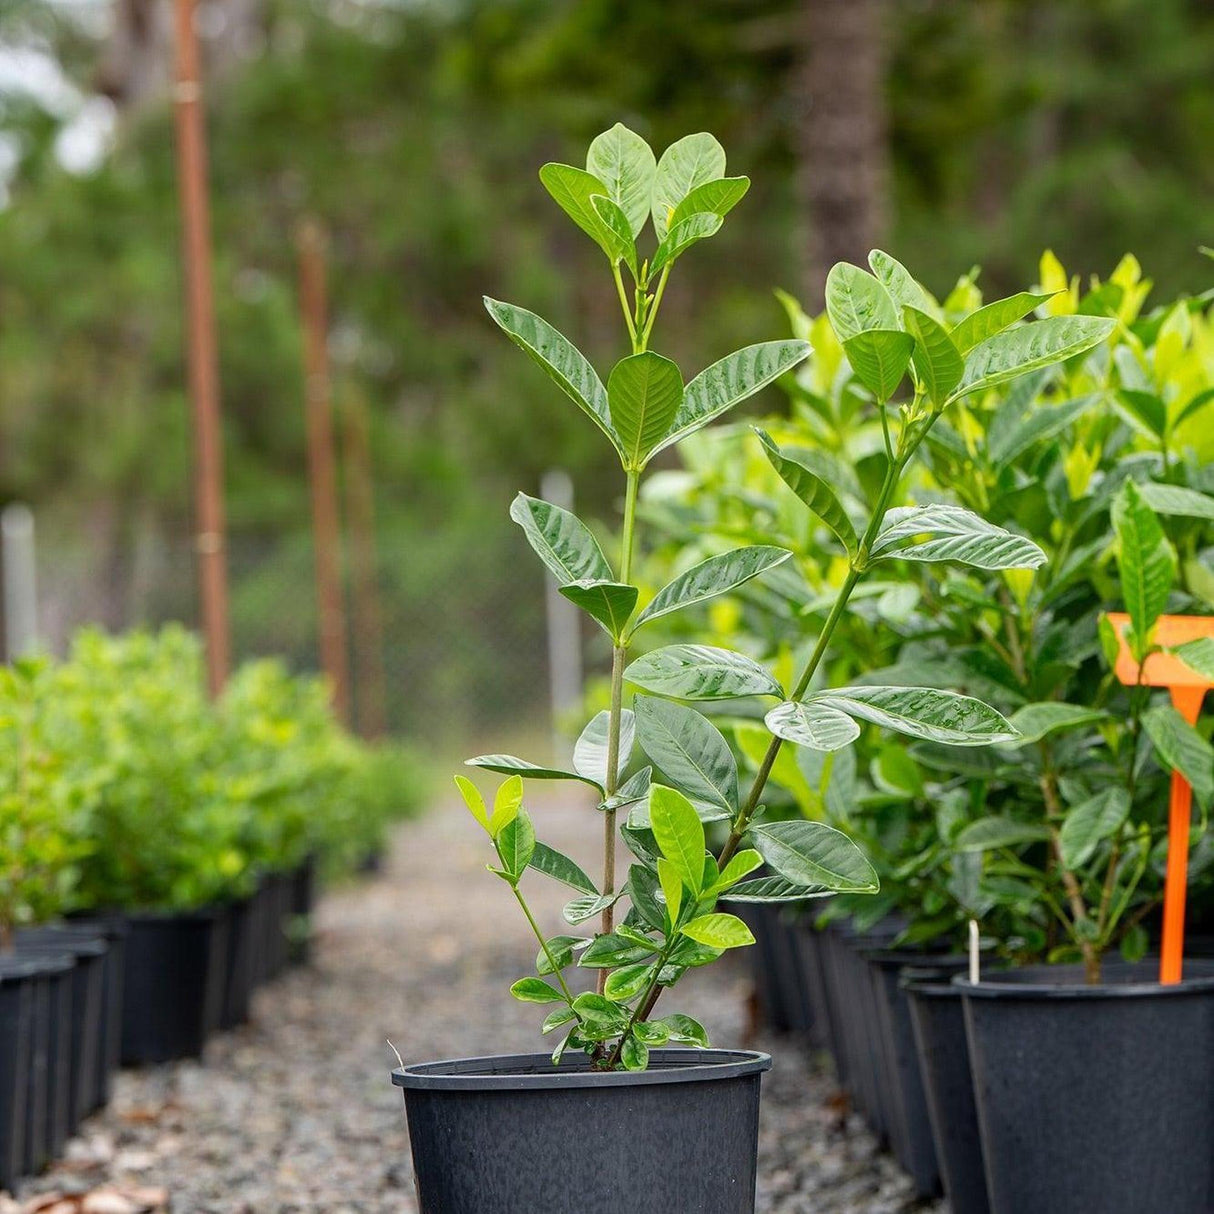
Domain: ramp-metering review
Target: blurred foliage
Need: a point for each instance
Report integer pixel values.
(1084, 123)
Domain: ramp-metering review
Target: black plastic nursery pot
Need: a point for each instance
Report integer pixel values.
(48, 1078)
(17, 983)
(944, 1063)
(1094, 1097)
(174, 983)
(239, 961)
(680, 1137)
(86, 1059)
(303, 902)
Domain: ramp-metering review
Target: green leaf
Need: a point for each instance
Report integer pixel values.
(1041, 344)
(717, 575)
(719, 197)
(598, 1012)
(731, 380)
(535, 990)
(614, 949)
(1176, 499)
(988, 834)
(689, 750)
(507, 803)
(879, 358)
(937, 361)
(581, 909)
(701, 672)
(555, 864)
(634, 789)
(1198, 655)
(651, 1032)
(899, 282)
(672, 887)
(627, 981)
(680, 834)
(554, 1020)
(719, 930)
(817, 726)
(516, 845)
(953, 534)
(682, 236)
(812, 854)
(573, 190)
(634, 1053)
(561, 950)
(774, 889)
(1181, 748)
(590, 751)
(1086, 824)
(1042, 423)
(473, 799)
(642, 888)
(560, 359)
(1147, 566)
(978, 326)
(644, 391)
(922, 712)
(625, 164)
(813, 491)
(610, 603)
(856, 302)
(740, 864)
(684, 1030)
(510, 765)
(561, 540)
(1037, 721)
(617, 222)
(686, 164)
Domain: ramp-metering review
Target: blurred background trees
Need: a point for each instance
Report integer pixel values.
(956, 134)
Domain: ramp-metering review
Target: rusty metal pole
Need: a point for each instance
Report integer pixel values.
(322, 470)
(369, 702)
(201, 350)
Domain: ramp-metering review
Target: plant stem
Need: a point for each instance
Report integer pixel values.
(535, 927)
(653, 310)
(619, 286)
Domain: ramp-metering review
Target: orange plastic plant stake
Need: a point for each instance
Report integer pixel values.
(1187, 689)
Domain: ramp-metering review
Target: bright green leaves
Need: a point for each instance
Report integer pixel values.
(994, 318)
(591, 750)
(690, 751)
(535, 990)
(814, 855)
(1198, 656)
(857, 303)
(817, 726)
(644, 393)
(561, 540)
(936, 359)
(813, 491)
(509, 765)
(672, 889)
(1147, 565)
(714, 576)
(690, 162)
(506, 805)
(879, 357)
(628, 981)
(625, 164)
(1181, 748)
(682, 236)
(680, 835)
(609, 603)
(574, 191)
(717, 197)
(950, 533)
(1091, 821)
(1036, 721)
(718, 930)
(922, 712)
(515, 843)
(701, 672)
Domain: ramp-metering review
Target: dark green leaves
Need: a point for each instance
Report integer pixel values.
(990, 834)
(686, 164)
(515, 845)
(1147, 565)
(950, 533)
(813, 491)
(937, 361)
(610, 603)
(1036, 721)
(879, 357)
(561, 540)
(816, 725)
(625, 164)
(510, 765)
(717, 197)
(922, 712)
(644, 393)
(701, 672)
(1086, 824)
(679, 833)
(1181, 748)
(1198, 656)
(716, 575)
(689, 750)
(682, 236)
(591, 749)
(994, 318)
(557, 865)
(815, 855)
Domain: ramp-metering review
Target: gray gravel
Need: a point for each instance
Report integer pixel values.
(295, 1112)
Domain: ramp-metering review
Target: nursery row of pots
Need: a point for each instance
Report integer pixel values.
(1028, 1090)
(81, 997)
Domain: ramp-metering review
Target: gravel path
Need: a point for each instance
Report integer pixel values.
(294, 1113)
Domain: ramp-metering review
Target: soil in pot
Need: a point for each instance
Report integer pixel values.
(16, 1017)
(1094, 1097)
(680, 1137)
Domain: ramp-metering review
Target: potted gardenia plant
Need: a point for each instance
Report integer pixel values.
(673, 1124)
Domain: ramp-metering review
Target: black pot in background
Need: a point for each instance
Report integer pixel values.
(48, 1091)
(174, 983)
(680, 1137)
(303, 902)
(1094, 1098)
(17, 984)
(944, 1061)
(770, 990)
(113, 929)
(239, 961)
(86, 1059)
(273, 911)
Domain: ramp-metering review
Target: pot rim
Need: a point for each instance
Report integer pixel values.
(504, 1073)
(993, 988)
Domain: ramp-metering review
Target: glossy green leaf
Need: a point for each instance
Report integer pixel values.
(590, 751)
(473, 799)
(903, 289)
(610, 603)
(507, 804)
(559, 358)
(857, 302)
(682, 236)
(634, 789)
(774, 889)
(535, 990)
(617, 222)
(813, 490)
(879, 358)
(978, 326)
(717, 575)
(1147, 566)
(642, 886)
(554, 1020)
(922, 712)
(614, 949)
(989, 834)
(812, 854)
(627, 981)
(731, 380)
(561, 540)
(634, 1053)
(573, 190)
(1040, 344)
(555, 864)
(718, 197)
(1198, 655)
(1036, 721)
(1086, 824)
(558, 950)
(937, 361)
(951, 533)
(701, 672)
(816, 725)
(625, 164)
(644, 391)
(1041, 423)
(516, 845)
(689, 750)
(1181, 748)
(1177, 500)
(672, 887)
(580, 909)
(684, 1030)
(651, 1032)
(597, 1011)
(680, 834)
(510, 765)
(686, 164)
(719, 930)
(740, 865)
